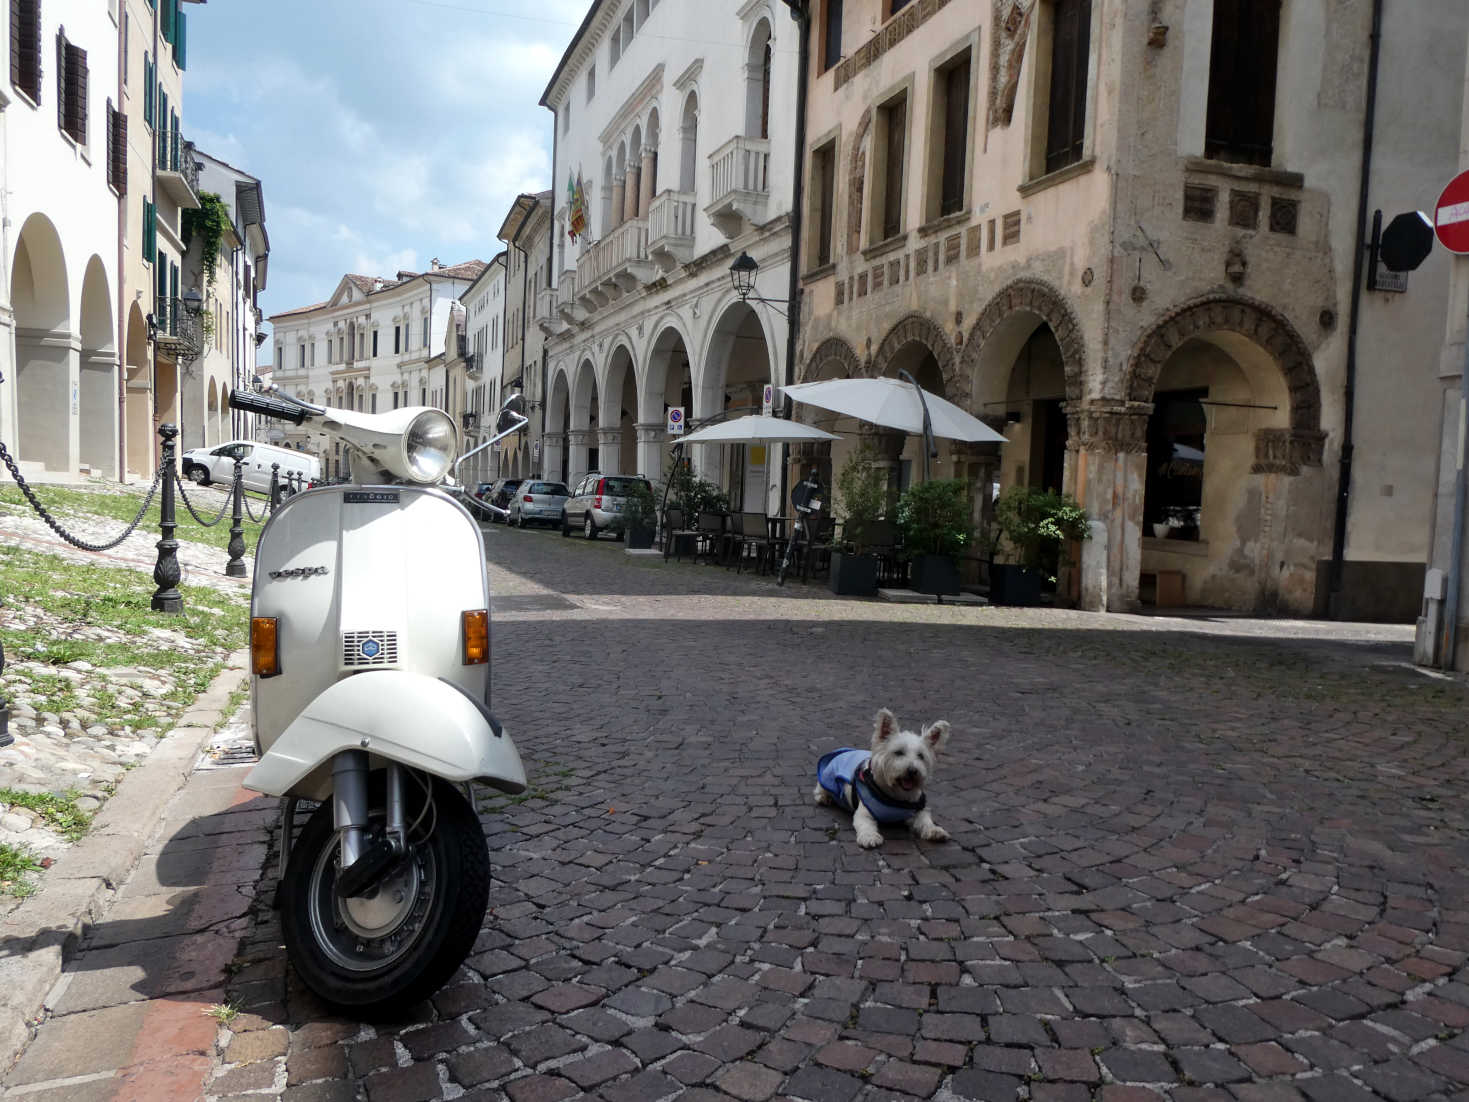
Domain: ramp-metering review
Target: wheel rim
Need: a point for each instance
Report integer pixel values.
(590, 529)
(371, 934)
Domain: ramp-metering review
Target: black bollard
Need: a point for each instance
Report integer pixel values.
(275, 486)
(166, 571)
(235, 568)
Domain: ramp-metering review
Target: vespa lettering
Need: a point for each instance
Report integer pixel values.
(371, 497)
(299, 572)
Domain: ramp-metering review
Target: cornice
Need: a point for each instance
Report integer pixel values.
(651, 85)
(689, 75)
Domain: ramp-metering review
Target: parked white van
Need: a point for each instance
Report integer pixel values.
(206, 465)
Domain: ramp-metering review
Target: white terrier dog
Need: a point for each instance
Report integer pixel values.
(884, 784)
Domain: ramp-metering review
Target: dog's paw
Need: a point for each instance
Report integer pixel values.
(822, 797)
(869, 839)
(934, 833)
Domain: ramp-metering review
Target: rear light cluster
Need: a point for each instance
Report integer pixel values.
(265, 655)
(528, 499)
(601, 489)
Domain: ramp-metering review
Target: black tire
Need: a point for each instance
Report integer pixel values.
(589, 527)
(197, 475)
(565, 527)
(448, 874)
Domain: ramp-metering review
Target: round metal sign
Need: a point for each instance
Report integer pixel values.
(1451, 215)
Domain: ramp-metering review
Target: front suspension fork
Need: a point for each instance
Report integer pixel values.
(363, 861)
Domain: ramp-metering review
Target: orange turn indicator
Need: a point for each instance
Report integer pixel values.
(476, 637)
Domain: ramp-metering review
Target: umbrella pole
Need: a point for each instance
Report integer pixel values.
(929, 448)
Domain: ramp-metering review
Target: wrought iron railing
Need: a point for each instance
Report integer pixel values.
(177, 326)
(175, 155)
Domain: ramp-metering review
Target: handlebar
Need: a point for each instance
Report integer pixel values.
(251, 402)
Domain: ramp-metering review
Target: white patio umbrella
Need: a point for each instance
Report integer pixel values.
(894, 404)
(757, 428)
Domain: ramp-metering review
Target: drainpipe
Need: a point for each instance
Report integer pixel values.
(1344, 477)
(122, 314)
(801, 13)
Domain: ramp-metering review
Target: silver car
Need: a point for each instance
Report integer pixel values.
(537, 503)
(597, 503)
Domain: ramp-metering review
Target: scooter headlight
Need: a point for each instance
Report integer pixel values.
(429, 446)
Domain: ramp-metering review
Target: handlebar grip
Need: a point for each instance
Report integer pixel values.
(250, 402)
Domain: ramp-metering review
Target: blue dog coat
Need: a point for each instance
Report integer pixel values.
(844, 776)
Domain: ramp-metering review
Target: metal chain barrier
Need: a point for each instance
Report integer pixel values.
(55, 526)
(190, 505)
(264, 510)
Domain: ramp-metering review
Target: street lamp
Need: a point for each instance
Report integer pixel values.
(193, 300)
(742, 274)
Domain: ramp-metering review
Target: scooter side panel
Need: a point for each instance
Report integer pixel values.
(408, 718)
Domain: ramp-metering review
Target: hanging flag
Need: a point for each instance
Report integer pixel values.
(579, 209)
(570, 205)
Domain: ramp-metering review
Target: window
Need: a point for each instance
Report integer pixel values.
(127, 28)
(566, 117)
(896, 6)
(831, 34)
(591, 82)
(1070, 52)
(313, 353)
(614, 48)
(397, 339)
(150, 231)
(374, 342)
(757, 84)
(71, 89)
(890, 142)
(301, 357)
(25, 47)
(823, 191)
(949, 142)
(374, 401)
(1240, 124)
(117, 149)
(425, 334)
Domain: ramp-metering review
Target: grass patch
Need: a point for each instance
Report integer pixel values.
(58, 812)
(122, 505)
(224, 1013)
(16, 865)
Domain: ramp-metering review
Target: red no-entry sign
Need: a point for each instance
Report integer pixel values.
(1451, 215)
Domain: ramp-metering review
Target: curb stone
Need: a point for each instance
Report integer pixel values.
(43, 933)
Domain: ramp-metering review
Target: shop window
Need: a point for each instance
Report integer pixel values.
(1240, 125)
(1174, 491)
(1071, 22)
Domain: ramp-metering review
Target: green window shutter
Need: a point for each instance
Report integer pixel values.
(167, 14)
(181, 42)
(147, 89)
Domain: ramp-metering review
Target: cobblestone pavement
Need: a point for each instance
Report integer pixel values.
(1192, 860)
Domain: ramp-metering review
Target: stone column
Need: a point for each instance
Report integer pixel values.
(579, 440)
(630, 194)
(1106, 471)
(652, 439)
(979, 464)
(8, 404)
(1284, 582)
(553, 447)
(619, 203)
(646, 183)
(609, 450)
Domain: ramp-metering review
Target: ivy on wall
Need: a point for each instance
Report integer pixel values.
(208, 221)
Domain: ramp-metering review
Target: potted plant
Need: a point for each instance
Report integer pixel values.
(1036, 524)
(639, 516)
(935, 520)
(862, 494)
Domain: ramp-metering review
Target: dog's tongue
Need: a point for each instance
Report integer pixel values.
(907, 784)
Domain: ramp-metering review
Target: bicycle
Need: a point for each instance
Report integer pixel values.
(806, 500)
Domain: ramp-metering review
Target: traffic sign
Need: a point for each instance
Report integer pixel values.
(675, 420)
(767, 399)
(1451, 215)
(1406, 242)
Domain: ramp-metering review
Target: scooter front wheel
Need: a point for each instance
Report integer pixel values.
(384, 951)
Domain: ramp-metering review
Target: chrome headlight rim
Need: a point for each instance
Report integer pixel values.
(428, 461)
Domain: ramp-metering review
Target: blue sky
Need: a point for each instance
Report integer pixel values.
(385, 132)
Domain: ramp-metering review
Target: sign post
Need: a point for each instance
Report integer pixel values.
(1451, 224)
(767, 399)
(675, 420)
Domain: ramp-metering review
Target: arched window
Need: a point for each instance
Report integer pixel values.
(757, 84)
(650, 154)
(688, 143)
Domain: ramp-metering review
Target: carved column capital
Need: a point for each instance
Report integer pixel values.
(609, 438)
(651, 432)
(582, 438)
(1114, 428)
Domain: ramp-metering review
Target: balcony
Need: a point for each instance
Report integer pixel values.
(546, 316)
(177, 331)
(178, 172)
(671, 229)
(566, 305)
(615, 265)
(739, 184)
(473, 365)
(589, 295)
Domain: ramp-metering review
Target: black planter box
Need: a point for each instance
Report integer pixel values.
(853, 575)
(1014, 585)
(938, 574)
(638, 537)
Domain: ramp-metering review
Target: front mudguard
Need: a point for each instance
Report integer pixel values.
(408, 718)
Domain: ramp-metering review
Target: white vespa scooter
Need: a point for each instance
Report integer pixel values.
(370, 651)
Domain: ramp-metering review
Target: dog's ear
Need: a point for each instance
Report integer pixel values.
(937, 734)
(884, 727)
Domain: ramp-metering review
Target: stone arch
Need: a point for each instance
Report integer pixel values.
(759, 51)
(833, 350)
(1258, 323)
(46, 348)
(920, 329)
(97, 375)
(1034, 297)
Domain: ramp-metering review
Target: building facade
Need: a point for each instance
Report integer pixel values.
(375, 345)
(674, 154)
(59, 240)
(1125, 235)
(482, 367)
(527, 235)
